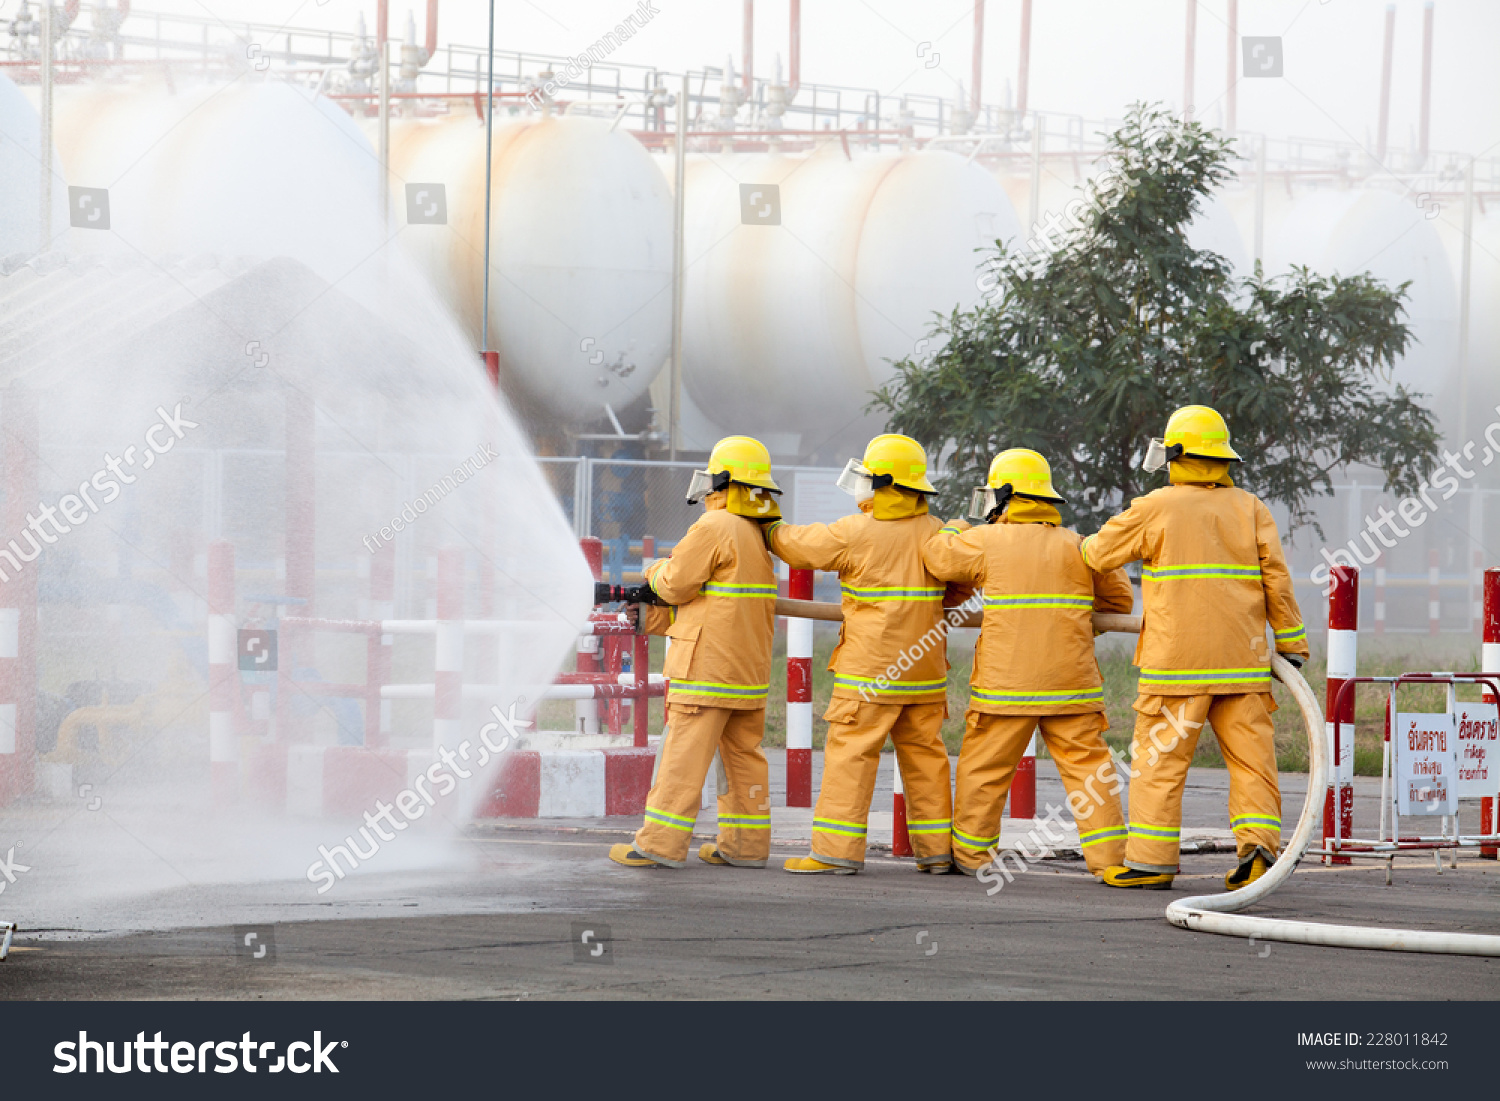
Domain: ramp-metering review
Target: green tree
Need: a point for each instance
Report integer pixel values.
(1085, 346)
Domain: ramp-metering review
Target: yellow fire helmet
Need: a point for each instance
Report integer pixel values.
(739, 459)
(1195, 431)
(899, 458)
(1019, 472)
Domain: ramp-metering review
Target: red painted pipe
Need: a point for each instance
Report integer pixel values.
(794, 51)
(431, 47)
(1343, 661)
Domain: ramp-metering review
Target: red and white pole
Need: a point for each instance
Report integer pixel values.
(900, 837)
(378, 648)
(448, 665)
(1023, 786)
(1489, 662)
(18, 604)
(1343, 663)
(799, 648)
(1380, 594)
(223, 674)
(587, 649)
(1434, 595)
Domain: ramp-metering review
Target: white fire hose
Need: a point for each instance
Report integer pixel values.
(1219, 913)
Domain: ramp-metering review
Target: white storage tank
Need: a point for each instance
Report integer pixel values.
(788, 327)
(21, 175)
(581, 251)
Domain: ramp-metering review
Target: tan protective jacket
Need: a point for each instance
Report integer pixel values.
(893, 643)
(1213, 575)
(721, 578)
(1036, 646)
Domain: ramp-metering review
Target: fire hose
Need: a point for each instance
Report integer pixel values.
(1220, 913)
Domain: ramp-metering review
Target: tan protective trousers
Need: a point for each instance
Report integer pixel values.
(857, 731)
(992, 748)
(1166, 733)
(687, 751)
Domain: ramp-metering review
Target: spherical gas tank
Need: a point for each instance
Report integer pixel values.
(1348, 232)
(21, 175)
(808, 273)
(251, 169)
(581, 251)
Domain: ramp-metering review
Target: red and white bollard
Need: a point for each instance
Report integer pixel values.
(799, 648)
(448, 664)
(223, 674)
(1023, 786)
(1489, 662)
(587, 649)
(1434, 595)
(900, 837)
(1343, 662)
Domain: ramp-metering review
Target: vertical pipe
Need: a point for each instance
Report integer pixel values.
(1260, 200)
(975, 98)
(1035, 205)
(45, 229)
(448, 662)
(747, 50)
(679, 209)
(1023, 68)
(382, 24)
(799, 648)
(385, 133)
(1386, 55)
(489, 145)
(1476, 574)
(1465, 283)
(1426, 122)
(1343, 663)
(794, 51)
(586, 651)
(1023, 786)
(378, 648)
(1232, 68)
(18, 595)
(1380, 594)
(1434, 595)
(1189, 57)
(1490, 663)
(900, 835)
(223, 679)
(432, 24)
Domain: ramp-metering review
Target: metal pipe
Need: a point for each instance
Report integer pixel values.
(679, 212)
(1188, 58)
(382, 23)
(46, 143)
(747, 50)
(1260, 200)
(794, 51)
(385, 133)
(978, 77)
(1426, 124)
(432, 14)
(1232, 68)
(1465, 266)
(1035, 212)
(1386, 56)
(489, 138)
(1023, 67)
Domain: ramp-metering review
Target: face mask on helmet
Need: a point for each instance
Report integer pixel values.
(856, 481)
(704, 483)
(1158, 455)
(986, 502)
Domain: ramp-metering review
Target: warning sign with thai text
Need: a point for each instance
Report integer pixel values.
(1478, 750)
(1426, 764)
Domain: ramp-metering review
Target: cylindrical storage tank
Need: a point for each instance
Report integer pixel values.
(21, 175)
(248, 170)
(581, 251)
(790, 322)
(1379, 232)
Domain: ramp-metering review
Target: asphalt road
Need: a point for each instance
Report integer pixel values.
(511, 916)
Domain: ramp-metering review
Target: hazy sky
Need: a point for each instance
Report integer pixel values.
(1089, 57)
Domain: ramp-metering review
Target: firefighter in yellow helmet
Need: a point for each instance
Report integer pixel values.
(890, 666)
(1213, 576)
(723, 586)
(1034, 665)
